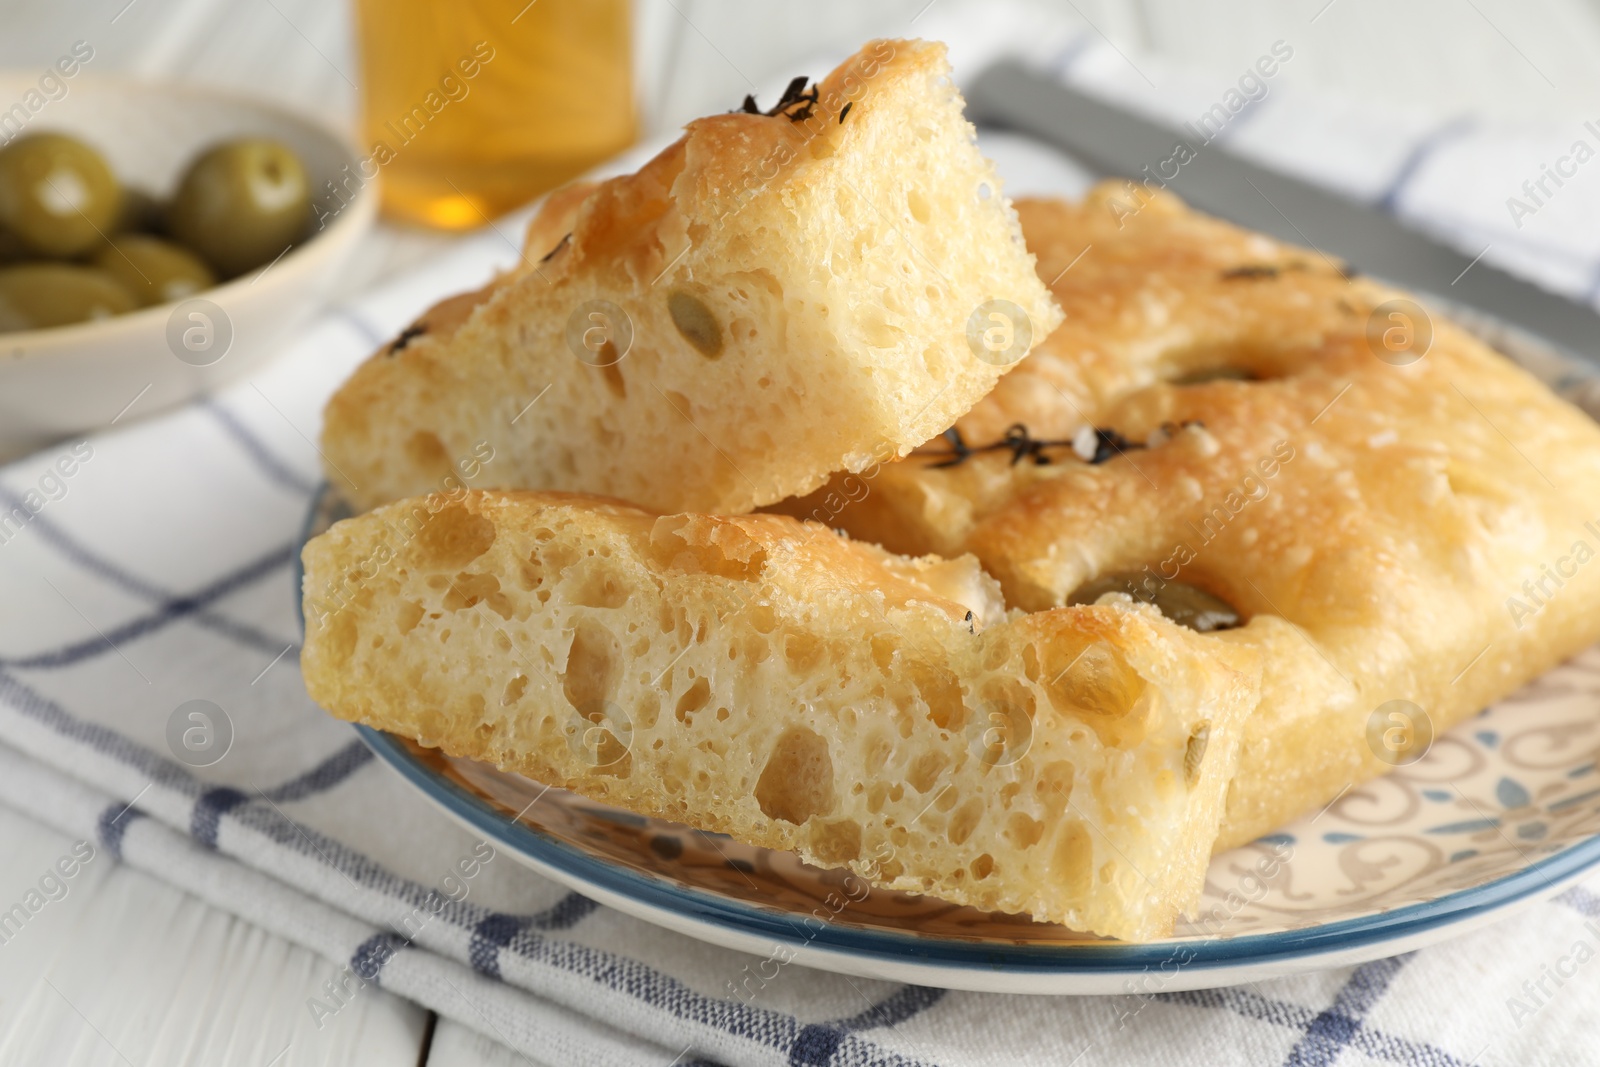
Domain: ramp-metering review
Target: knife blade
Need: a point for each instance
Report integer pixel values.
(1214, 180)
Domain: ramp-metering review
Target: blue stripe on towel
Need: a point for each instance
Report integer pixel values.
(209, 808)
(113, 824)
(494, 932)
(324, 776)
(274, 468)
(169, 612)
(371, 956)
(74, 550)
(1412, 164)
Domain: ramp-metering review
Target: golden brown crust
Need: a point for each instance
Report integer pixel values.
(1374, 522)
(769, 679)
(551, 227)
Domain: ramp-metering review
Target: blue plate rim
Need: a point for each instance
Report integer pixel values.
(1042, 959)
(1109, 958)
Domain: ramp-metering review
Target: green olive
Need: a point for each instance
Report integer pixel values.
(56, 194)
(153, 270)
(1181, 602)
(36, 295)
(241, 204)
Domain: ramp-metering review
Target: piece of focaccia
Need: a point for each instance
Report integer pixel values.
(1395, 512)
(769, 679)
(773, 298)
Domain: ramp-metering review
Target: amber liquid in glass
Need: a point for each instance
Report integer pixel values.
(472, 107)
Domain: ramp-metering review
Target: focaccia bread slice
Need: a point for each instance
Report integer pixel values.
(773, 298)
(1408, 523)
(769, 679)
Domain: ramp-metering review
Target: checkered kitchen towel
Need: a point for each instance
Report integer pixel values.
(154, 568)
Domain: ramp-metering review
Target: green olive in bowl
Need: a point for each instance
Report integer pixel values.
(34, 296)
(152, 270)
(57, 195)
(241, 204)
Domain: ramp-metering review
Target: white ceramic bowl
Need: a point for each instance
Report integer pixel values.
(72, 379)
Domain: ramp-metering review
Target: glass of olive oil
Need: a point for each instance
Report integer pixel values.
(473, 107)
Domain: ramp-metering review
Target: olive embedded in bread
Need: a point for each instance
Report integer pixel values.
(1181, 602)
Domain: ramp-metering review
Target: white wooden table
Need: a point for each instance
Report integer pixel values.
(128, 970)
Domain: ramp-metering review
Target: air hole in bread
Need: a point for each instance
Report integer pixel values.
(1054, 784)
(612, 373)
(1096, 685)
(644, 716)
(964, 820)
(468, 590)
(763, 619)
(453, 538)
(917, 204)
(1023, 830)
(982, 867)
(877, 750)
(598, 587)
(693, 699)
(695, 322)
(837, 842)
(940, 690)
(1007, 723)
(925, 770)
(407, 615)
(593, 662)
(514, 690)
(797, 781)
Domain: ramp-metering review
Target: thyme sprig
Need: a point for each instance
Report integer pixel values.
(1092, 445)
(794, 96)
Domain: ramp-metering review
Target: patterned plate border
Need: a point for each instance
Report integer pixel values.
(1387, 932)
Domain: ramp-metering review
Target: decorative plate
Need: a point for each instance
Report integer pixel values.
(1502, 811)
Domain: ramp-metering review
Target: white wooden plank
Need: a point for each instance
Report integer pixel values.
(120, 968)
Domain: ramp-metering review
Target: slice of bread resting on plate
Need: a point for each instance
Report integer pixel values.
(774, 297)
(770, 679)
